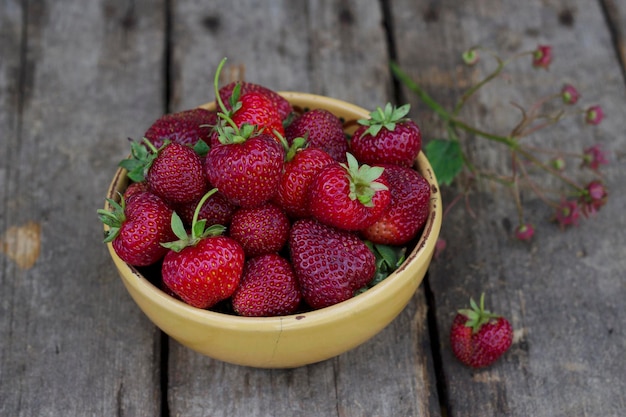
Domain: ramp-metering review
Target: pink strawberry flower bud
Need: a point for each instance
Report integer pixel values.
(593, 157)
(594, 115)
(593, 198)
(524, 231)
(567, 213)
(542, 56)
(470, 57)
(569, 94)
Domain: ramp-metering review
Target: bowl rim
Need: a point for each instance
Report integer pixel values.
(423, 248)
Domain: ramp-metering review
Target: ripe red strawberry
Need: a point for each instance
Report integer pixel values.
(408, 211)
(252, 108)
(215, 210)
(260, 230)
(206, 273)
(330, 264)
(268, 288)
(185, 127)
(176, 174)
(138, 227)
(348, 196)
(478, 337)
(202, 268)
(173, 172)
(278, 101)
(246, 171)
(322, 129)
(301, 166)
(388, 137)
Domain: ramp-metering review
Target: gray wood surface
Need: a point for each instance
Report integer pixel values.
(77, 78)
(73, 342)
(565, 291)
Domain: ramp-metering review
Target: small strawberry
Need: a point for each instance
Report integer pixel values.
(203, 267)
(408, 211)
(260, 230)
(301, 165)
(268, 288)
(256, 109)
(348, 196)
(478, 337)
(322, 129)
(388, 137)
(177, 175)
(186, 127)
(137, 228)
(251, 107)
(330, 264)
(278, 101)
(174, 172)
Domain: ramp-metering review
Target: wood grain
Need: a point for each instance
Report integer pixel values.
(615, 12)
(77, 78)
(562, 292)
(313, 47)
(73, 342)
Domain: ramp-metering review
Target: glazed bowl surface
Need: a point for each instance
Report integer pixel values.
(299, 339)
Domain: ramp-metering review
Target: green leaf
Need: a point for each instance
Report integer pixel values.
(214, 230)
(178, 227)
(446, 158)
(388, 259)
(198, 228)
(201, 148)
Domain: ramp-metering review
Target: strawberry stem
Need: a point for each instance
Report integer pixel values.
(216, 86)
(198, 231)
(196, 212)
(476, 315)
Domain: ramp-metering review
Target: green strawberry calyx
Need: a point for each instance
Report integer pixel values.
(297, 144)
(477, 316)
(198, 230)
(387, 118)
(227, 129)
(362, 178)
(114, 219)
(141, 159)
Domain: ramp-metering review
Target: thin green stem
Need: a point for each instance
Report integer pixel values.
(548, 169)
(478, 86)
(556, 152)
(534, 187)
(216, 87)
(510, 142)
(423, 95)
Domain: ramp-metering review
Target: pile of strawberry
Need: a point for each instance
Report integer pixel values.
(269, 209)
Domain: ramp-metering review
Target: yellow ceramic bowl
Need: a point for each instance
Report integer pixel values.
(290, 341)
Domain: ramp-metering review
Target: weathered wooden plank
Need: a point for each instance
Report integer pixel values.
(76, 78)
(564, 291)
(335, 48)
(615, 12)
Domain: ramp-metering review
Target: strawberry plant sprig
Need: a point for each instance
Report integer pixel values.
(450, 161)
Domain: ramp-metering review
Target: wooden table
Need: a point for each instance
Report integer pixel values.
(79, 77)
